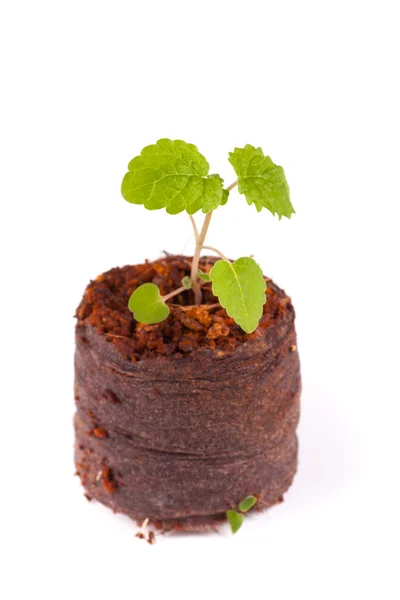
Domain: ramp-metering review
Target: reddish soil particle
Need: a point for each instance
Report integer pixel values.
(187, 329)
(107, 481)
(152, 538)
(218, 329)
(106, 473)
(100, 433)
(109, 486)
(186, 345)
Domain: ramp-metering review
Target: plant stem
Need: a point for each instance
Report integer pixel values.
(200, 237)
(230, 187)
(216, 252)
(174, 293)
(196, 258)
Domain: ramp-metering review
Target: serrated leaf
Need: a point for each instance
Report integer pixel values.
(247, 503)
(186, 282)
(203, 276)
(235, 520)
(261, 181)
(147, 304)
(172, 174)
(240, 287)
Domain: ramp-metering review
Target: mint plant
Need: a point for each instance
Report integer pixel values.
(172, 174)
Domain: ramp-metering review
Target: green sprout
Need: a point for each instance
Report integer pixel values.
(172, 174)
(235, 517)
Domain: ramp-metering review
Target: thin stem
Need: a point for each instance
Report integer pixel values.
(230, 187)
(216, 252)
(196, 258)
(205, 306)
(195, 230)
(174, 293)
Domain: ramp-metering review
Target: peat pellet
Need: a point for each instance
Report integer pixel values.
(178, 422)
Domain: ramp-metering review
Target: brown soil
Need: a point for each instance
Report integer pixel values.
(188, 328)
(178, 422)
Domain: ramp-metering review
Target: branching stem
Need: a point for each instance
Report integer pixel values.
(230, 187)
(200, 237)
(196, 258)
(216, 252)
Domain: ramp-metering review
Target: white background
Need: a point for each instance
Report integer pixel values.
(85, 85)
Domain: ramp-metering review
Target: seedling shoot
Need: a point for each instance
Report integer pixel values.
(173, 175)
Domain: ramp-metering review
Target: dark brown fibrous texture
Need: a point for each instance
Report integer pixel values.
(178, 422)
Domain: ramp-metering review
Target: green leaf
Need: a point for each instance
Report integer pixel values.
(147, 304)
(172, 174)
(261, 181)
(225, 196)
(186, 282)
(203, 276)
(213, 195)
(235, 520)
(240, 287)
(247, 503)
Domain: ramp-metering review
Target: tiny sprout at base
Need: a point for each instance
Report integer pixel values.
(235, 517)
(172, 174)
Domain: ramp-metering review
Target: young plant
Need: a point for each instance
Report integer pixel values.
(235, 517)
(172, 174)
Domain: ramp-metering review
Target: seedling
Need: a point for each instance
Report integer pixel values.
(235, 517)
(172, 174)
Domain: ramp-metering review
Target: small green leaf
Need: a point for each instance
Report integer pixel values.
(147, 304)
(247, 503)
(203, 276)
(235, 520)
(240, 287)
(225, 196)
(172, 174)
(261, 181)
(213, 195)
(186, 282)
